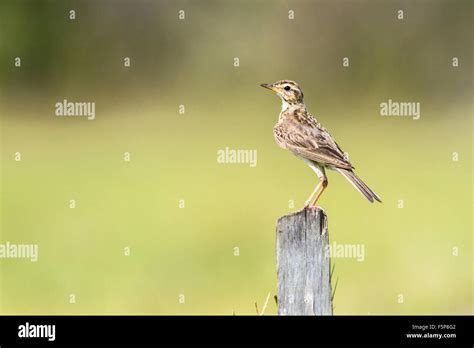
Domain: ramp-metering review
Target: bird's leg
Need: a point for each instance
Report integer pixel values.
(324, 183)
(310, 199)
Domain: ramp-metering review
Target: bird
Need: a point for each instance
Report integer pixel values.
(301, 133)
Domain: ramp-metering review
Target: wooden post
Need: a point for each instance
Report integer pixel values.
(303, 264)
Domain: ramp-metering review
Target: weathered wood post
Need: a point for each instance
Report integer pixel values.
(303, 264)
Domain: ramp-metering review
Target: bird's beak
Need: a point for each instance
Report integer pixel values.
(267, 86)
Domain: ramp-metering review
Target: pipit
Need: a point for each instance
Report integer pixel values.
(298, 131)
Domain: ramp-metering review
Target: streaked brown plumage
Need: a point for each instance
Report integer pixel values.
(298, 131)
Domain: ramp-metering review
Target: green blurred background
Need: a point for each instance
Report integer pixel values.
(190, 251)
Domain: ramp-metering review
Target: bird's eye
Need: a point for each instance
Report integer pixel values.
(287, 88)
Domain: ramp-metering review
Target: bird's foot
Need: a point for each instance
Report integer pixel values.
(313, 207)
(308, 205)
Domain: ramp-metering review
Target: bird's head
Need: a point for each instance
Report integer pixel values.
(289, 91)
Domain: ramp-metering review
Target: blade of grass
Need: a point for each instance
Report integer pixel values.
(265, 304)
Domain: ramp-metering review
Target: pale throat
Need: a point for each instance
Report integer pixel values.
(285, 105)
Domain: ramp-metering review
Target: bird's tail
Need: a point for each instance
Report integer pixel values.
(359, 184)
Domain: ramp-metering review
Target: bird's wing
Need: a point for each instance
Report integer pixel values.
(311, 142)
